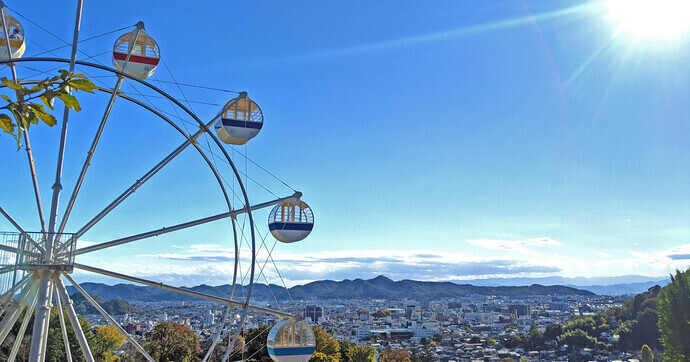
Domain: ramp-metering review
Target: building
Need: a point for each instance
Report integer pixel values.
(519, 310)
(314, 313)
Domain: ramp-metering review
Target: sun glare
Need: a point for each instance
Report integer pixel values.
(651, 18)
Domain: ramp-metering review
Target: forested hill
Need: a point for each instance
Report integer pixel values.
(379, 287)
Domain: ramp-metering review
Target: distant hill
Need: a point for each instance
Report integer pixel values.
(379, 287)
(618, 285)
(113, 307)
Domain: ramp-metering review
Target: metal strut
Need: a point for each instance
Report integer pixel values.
(99, 133)
(110, 319)
(164, 230)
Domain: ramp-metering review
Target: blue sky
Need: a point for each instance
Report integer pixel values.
(439, 141)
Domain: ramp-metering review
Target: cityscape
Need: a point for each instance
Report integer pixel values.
(360, 181)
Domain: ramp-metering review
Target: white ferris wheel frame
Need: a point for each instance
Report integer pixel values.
(35, 291)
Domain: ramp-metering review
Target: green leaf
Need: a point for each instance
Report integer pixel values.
(78, 75)
(82, 84)
(46, 117)
(6, 124)
(49, 101)
(64, 74)
(10, 84)
(70, 101)
(6, 98)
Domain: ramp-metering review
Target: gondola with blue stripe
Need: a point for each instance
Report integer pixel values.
(291, 221)
(291, 340)
(241, 121)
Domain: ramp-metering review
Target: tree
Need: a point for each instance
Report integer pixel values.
(646, 354)
(322, 357)
(578, 338)
(673, 308)
(25, 112)
(107, 340)
(256, 344)
(552, 331)
(172, 342)
(359, 353)
(398, 355)
(326, 344)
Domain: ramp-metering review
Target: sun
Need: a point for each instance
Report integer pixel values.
(650, 18)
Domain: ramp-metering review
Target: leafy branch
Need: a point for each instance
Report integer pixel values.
(23, 112)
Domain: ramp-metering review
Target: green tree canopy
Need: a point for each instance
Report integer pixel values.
(326, 344)
(673, 308)
(172, 342)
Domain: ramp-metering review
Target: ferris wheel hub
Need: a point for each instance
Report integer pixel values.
(39, 250)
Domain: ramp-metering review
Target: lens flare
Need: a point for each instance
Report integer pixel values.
(651, 18)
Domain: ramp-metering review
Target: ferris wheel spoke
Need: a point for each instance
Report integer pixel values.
(63, 327)
(25, 134)
(74, 320)
(170, 288)
(14, 311)
(97, 137)
(22, 329)
(164, 230)
(147, 176)
(110, 319)
(57, 186)
(20, 229)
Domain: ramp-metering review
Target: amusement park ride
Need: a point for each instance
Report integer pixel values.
(33, 265)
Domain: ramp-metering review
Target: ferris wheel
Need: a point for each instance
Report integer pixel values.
(34, 264)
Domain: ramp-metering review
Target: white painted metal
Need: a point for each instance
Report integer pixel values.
(97, 137)
(179, 290)
(63, 327)
(57, 186)
(42, 317)
(73, 319)
(22, 329)
(164, 230)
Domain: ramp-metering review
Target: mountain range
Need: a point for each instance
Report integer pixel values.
(377, 288)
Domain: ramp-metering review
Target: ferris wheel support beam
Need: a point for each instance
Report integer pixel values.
(27, 143)
(164, 230)
(159, 166)
(74, 320)
(110, 319)
(19, 228)
(22, 329)
(57, 186)
(180, 290)
(14, 312)
(42, 316)
(63, 327)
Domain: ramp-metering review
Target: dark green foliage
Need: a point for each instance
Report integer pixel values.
(673, 305)
(636, 321)
(55, 348)
(113, 307)
(552, 331)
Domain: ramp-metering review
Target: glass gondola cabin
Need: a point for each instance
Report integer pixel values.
(15, 33)
(241, 121)
(291, 221)
(144, 57)
(291, 341)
